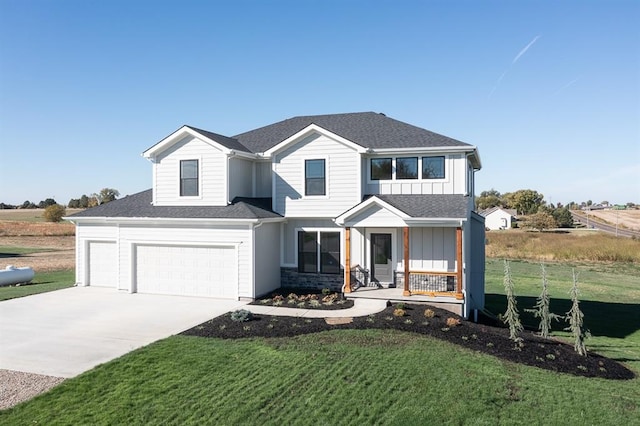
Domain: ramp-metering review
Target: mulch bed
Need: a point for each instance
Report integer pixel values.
(548, 354)
(304, 299)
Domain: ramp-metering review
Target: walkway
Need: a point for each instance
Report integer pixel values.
(361, 308)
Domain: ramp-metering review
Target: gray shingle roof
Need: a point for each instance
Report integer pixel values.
(449, 206)
(226, 141)
(367, 129)
(139, 205)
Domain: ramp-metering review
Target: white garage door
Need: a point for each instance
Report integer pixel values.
(186, 270)
(103, 264)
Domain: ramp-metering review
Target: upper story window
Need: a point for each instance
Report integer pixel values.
(381, 168)
(189, 178)
(407, 168)
(433, 167)
(314, 177)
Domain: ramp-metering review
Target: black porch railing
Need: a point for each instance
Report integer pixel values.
(359, 277)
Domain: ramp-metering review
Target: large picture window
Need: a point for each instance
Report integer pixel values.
(189, 178)
(381, 169)
(432, 167)
(407, 168)
(319, 252)
(314, 177)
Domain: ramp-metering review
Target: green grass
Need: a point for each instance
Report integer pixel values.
(11, 251)
(331, 378)
(366, 377)
(609, 299)
(43, 282)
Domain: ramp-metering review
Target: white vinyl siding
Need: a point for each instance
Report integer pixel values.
(454, 182)
(85, 234)
(263, 179)
(267, 258)
(432, 249)
(212, 179)
(240, 178)
(342, 178)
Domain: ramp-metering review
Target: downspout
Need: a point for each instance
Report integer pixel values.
(230, 155)
(253, 256)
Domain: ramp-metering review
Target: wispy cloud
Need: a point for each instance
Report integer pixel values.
(517, 57)
(566, 86)
(523, 51)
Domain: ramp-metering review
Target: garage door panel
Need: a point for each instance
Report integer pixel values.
(209, 271)
(103, 264)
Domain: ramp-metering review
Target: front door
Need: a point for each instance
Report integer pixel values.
(381, 265)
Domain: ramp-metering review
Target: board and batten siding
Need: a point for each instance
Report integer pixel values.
(240, 178)
(266, 258)
(432, 249)
(455, 181)
(263, 179)
(236, 235)
(341, 173)
(212, 165)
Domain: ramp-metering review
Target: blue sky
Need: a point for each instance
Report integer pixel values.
(549, 91)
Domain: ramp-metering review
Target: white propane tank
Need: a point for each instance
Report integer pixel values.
(13, 275)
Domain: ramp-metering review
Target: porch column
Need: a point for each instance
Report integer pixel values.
(405, 242)
(459, 263)
(347, 260)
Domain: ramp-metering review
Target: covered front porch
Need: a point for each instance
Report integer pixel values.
(393, 253)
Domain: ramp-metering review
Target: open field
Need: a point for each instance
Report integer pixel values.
(624, 218)
(575, 246)
(42, 283)
(27, 215)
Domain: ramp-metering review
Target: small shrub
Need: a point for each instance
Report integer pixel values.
(241, 315)
(265, 301)
(582, 368)
(388, 318)
(315, 303)
(302, 304)
(222, 327)
(291, 301)
(330, 298)
(400, 305)
(371, 318)
(445, 329)
(429, 313)
(465, 338)
(408, 321)
(550, 356)
(247, 328)
(54, 213)
(453, 322)
(326, 291)
(278, 297)
(399, 312)
(269, 326)
(292, 296)
(341, 302)
(425, 323)
(277, 302)
(489, 345)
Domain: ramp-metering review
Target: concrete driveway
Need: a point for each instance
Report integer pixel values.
(66, 332)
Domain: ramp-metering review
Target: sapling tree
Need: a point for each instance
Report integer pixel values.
(511, 317)
(541, 308)
(575, 319)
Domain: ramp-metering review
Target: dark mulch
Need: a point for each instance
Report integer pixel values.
(304, 299)
(548, 354)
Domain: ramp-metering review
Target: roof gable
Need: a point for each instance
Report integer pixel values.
(222, 143)
(367, 129)
(311, 129)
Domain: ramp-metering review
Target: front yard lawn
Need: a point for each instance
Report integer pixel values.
(42, 282)
(342, 377)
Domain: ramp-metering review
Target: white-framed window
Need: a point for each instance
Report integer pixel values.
(319, 251)
(315, 177)
(189, 178)
(407, 168)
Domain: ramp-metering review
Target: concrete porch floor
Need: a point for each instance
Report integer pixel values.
(394, 295)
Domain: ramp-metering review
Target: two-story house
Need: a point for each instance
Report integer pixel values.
(341, 201)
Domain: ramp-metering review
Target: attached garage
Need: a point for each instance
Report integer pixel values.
(207, 271)
(103, 264)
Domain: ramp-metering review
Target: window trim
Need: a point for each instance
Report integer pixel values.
(198, 178)
(324, 177)
(319, 252)
(444, 167)
(303, 167)
(419, 179)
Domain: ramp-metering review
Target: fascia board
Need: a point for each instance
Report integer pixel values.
(417, 150)
(308, 130)
(170, 221)
(434, 221)
(344, 217)
(176, 136)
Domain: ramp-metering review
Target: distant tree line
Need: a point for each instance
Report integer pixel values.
(531, 206)
(85, 201)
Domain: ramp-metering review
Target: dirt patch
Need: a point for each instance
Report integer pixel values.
(62, 254)
(625, 218)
